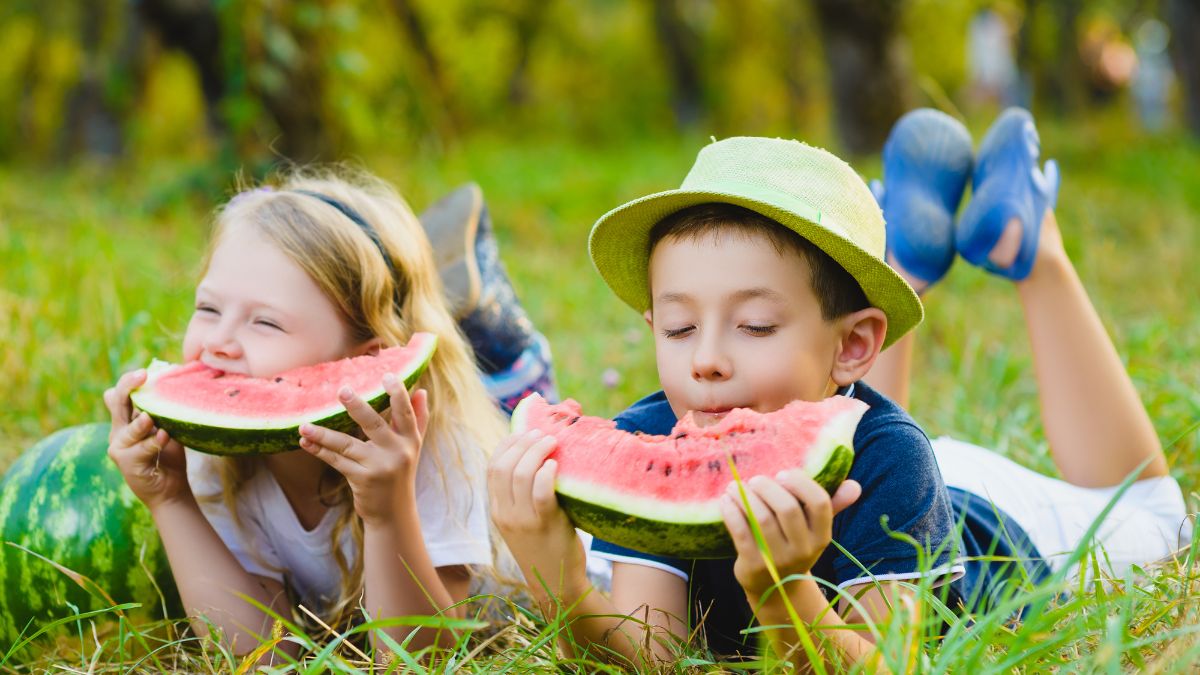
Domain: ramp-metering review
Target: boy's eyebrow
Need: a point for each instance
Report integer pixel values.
(757, 292)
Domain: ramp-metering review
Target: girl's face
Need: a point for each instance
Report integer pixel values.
(257, 313)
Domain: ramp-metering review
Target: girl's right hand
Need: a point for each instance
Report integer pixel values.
(153, 464)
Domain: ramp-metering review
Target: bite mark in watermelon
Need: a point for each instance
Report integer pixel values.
(660, 494)
(229, 414)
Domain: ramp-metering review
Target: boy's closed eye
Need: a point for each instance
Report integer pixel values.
(677, 332)
(758, 330)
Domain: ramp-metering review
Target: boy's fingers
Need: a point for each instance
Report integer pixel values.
(789, 512)
(371, 422)
(845, 496)
(763, 515)
(544, 500)
(817, 507)
(735, 522)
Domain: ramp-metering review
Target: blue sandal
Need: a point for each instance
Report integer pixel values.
(1008, 184)
(926, 163)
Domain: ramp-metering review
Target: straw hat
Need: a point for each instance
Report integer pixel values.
(806, 189)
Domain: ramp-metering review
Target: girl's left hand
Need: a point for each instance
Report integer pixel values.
(381, 470)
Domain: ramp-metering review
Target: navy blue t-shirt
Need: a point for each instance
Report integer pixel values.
(902, 492)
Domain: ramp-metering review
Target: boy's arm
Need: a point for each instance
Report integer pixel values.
(551, 557)
(794, 516)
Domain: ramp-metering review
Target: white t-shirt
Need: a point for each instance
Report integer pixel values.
(272, 543)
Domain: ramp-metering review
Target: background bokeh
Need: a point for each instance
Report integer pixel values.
(123, 123)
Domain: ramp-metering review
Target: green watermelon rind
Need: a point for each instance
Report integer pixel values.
(222, 435)
(690, 540)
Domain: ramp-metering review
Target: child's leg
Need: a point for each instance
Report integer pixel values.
(513, 356)
(1095, 423)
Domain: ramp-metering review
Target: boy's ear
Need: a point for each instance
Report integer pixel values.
(370, 347)
(649, 317)
(862, 334)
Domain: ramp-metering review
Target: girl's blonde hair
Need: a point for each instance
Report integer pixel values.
(350, 269)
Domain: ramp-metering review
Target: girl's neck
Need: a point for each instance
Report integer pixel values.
(299, 476)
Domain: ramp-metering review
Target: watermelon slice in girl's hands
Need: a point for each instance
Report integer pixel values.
(660, 494)
(227, 414)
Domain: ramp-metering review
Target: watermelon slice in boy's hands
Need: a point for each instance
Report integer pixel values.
(660, 494)
(227, 414)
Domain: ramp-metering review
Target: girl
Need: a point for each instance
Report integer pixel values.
(319, 269)
(1098, 430)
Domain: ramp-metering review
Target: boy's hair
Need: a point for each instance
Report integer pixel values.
(836, 290)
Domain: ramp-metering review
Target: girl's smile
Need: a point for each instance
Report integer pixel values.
(258, 313)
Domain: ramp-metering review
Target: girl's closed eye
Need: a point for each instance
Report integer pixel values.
(268, 323)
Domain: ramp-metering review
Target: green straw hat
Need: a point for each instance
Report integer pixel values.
(806, 189)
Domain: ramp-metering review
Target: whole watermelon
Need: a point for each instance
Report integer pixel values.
(64, 499)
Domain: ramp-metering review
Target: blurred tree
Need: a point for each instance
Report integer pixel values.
(868, 73)
(527, 22)
(1183, 16)
(192, 27)
(680, 44)
(418, 37)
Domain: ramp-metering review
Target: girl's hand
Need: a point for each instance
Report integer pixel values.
(382, 469)
(154, 465)
(525, 510)
(796, 518)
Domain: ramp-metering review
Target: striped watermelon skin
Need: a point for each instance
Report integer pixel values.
(64, 499)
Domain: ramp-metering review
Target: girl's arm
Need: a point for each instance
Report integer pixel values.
(211, 581)
(208, 576)
(398, 576)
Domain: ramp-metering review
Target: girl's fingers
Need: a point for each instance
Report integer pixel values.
(500, 469)
(341, 444)
(134, 432)
(404, 418)
(420, 403)
(116, 399)
(528, 465)
(371, 422)
(342, 464)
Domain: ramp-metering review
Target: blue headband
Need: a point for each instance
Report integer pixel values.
(365, 227)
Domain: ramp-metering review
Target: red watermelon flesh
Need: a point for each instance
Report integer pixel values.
(227, 413)
(660, 494)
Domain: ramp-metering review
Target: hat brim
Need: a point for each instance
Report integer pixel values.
(619, 245)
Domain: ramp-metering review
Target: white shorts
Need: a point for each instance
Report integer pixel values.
(1148, 523)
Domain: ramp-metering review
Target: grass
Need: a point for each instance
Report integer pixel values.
(98, 264)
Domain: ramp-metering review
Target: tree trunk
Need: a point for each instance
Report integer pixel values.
(418, 37)
(193, 28)
(679, 45)
(1183, 17)
(526, 25)
(868, 73)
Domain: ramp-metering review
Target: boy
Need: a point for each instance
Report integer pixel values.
(764, 281)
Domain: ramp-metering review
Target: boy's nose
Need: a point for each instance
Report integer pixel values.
(709, 361)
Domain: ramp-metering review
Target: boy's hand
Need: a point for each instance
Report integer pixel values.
(796, 518)
(382, 469)
(525, 510)
(153, 464)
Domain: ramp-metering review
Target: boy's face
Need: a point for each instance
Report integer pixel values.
(737, 325)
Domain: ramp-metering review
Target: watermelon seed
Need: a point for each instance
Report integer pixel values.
(573, 420)
(219, 374)
(714, 465)
(650, 465)
(279, 379)
(233, 392)
(667, 470)
(682, 434)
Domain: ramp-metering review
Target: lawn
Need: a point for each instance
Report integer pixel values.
(98, 265)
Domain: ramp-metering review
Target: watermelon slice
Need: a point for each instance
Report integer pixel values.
(660, 494)
(226, 414)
